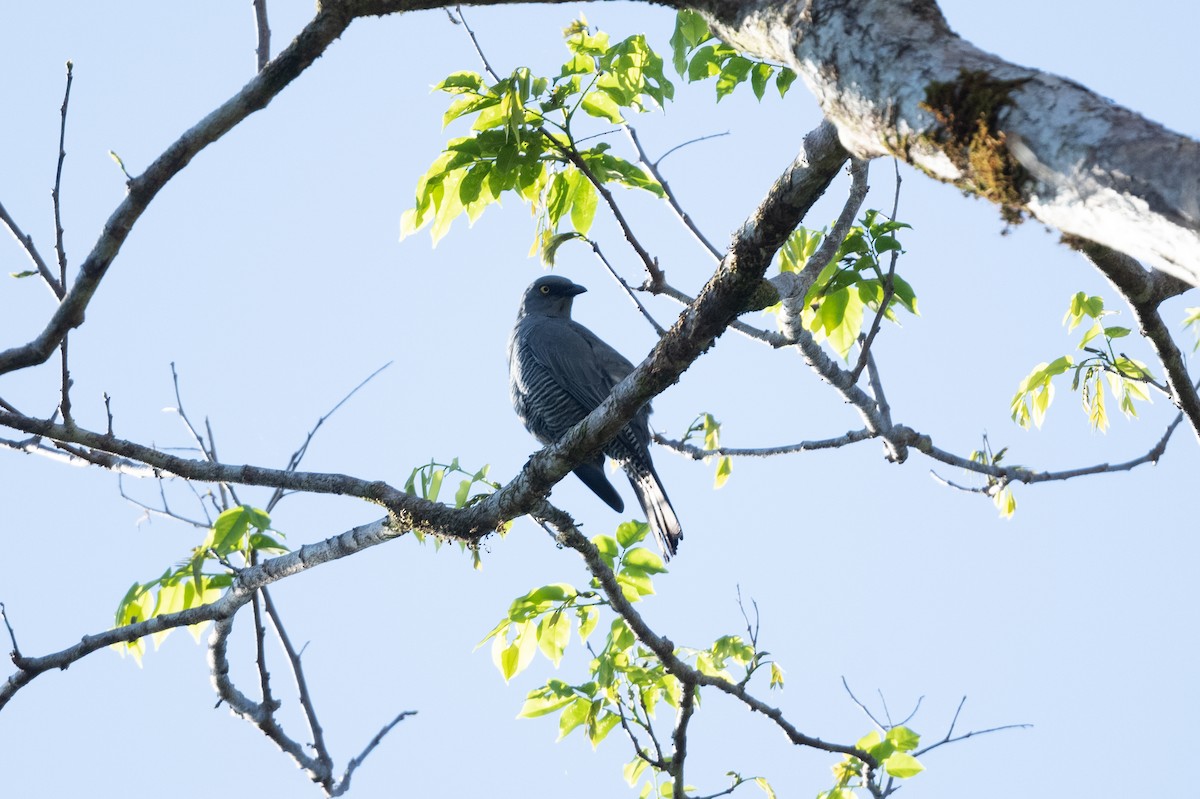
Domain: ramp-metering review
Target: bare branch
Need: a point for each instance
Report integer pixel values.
(687, 706)
(699, 453)
(328, 24)
(668, 195)
(951, 738)
(866, 710)
(658, 329)
(310, 712)
(344, 784)
(298, 455)
(56, 194)
(262, 50)
(27, 244)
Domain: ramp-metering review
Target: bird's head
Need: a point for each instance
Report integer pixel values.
(550, 296)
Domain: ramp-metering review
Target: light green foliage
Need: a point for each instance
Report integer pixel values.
(697, 55)
(1193, 321)
(624, 678)
(999, 490)
(1127, 379)
(426, 481)
(890, 750)
(238, 533)
(852, 283)
(707, 425)
(525, 134)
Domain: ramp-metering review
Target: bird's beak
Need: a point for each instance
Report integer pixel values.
(576, 289)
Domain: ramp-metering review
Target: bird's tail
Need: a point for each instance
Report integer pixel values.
(659, 512)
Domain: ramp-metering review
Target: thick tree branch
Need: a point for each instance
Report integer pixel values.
(1028, 141)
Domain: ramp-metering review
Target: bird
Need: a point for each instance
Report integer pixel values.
(559, 372)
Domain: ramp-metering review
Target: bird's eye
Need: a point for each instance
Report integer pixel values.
(545, 289)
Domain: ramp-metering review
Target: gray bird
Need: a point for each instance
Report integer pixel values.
(559, 372)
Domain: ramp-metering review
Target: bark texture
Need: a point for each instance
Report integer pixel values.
(896, 80)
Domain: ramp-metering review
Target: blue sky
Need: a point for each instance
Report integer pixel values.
(270, 273)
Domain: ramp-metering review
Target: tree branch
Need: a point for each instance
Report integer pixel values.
(329, 23)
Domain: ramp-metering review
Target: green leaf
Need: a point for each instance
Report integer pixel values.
(904, 738)
(634, 768)
(553, 635)
(784, 80)
(1005, 502)
(758, 78)
(902, 766)
(435, 484)
(724, 470)
(551, 243)
(761, 782)
(545, 700)
(26, 273)
(735, 71)
(703, 64)
(459, 82)
(583, 202)
(229, 528)
(631, 532)
(597, 731)
(600, 104)
(575, 714)
(588, 617)
(776, 676)
(643, 560)
(607, 545)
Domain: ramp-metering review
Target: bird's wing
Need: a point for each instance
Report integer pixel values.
(581, 364)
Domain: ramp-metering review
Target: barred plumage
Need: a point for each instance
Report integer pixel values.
(559, 372)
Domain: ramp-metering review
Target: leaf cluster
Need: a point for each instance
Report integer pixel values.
(626, 683)
(698, 55)
(525, 134)
(852, 282)
(707, 426)
(242, 532)
(1127, 378)
(890, 750)
(425, 481)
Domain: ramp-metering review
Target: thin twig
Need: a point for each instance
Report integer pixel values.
(681, 145)
(262, 51)
(55, 194)
(12, 636)
(862, 706)
(889, 291)
(700, 453)
(260, 635)
(668, 195)
(64, 403)
(658, 329)
(950, 738)
(475, 43)
(344, 784)
(31, 250)
(297, 456)
(293, 657)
